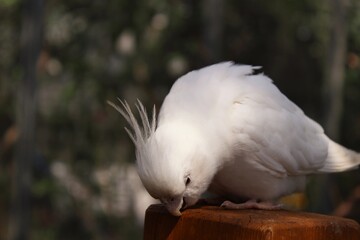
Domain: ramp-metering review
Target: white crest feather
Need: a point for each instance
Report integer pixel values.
(139, 134)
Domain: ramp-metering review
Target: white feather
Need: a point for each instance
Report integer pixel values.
(234, 133)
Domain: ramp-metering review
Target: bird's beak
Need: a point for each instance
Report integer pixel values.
(174, 206)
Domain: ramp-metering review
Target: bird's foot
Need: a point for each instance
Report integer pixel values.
(252, 204)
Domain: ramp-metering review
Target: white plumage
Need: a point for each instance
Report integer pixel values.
(224, 129)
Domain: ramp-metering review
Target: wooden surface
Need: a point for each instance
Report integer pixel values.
(209, 222)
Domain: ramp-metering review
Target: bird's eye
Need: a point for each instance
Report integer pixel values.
(188, 180)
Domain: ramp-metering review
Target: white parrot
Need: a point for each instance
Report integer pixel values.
(226, 130)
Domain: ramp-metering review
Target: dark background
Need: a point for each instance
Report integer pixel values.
(66, 165)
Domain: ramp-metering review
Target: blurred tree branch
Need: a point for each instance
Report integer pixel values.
(335, 68)
(31, 40)
(213, 16)
(333, 96)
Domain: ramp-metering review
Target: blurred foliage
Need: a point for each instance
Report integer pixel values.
(95, 51)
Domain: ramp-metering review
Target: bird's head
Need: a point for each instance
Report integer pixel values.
(174, 167)
(172, 163)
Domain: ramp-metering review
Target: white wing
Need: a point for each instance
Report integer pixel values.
(271, 129)
(264, 124)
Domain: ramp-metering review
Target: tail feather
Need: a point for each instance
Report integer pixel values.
(340, 159)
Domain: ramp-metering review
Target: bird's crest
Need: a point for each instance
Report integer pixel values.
(139, 134)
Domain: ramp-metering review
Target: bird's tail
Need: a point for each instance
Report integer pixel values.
(340, 158)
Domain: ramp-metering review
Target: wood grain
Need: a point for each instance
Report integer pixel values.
(210, 222)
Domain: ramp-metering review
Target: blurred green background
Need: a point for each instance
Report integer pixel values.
(66, 165)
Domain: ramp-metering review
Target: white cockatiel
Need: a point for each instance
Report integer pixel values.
(226, 130)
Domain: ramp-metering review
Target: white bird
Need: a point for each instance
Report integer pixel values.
(227, 130)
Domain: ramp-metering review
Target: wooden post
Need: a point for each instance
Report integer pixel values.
(210, 222)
